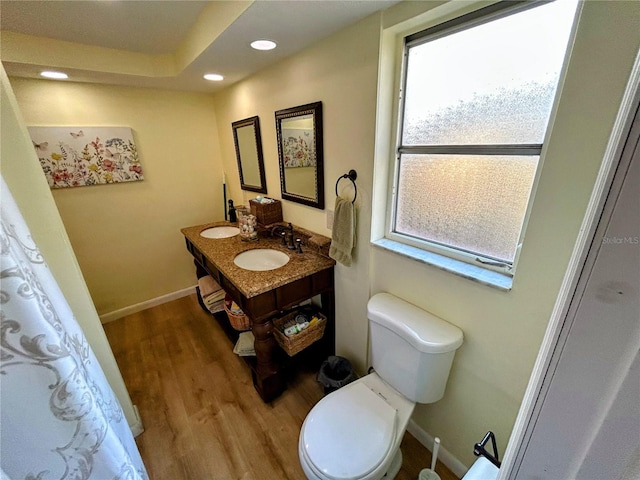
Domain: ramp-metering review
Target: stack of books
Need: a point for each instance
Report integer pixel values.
(211, 293)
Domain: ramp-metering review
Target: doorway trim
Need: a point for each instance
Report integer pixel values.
(607, 184)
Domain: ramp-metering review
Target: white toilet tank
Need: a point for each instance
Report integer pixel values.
(411, 349)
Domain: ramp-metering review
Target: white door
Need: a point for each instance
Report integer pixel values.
(586, 419)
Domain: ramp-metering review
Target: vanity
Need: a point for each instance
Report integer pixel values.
(266, 295)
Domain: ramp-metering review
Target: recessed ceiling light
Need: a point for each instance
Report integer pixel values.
(214, 77)
(55, 75)
(263, 45)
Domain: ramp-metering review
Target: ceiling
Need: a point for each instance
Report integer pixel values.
(165, 44)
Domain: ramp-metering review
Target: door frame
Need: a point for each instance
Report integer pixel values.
(607, 187)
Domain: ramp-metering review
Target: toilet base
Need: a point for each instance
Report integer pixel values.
(394, 468)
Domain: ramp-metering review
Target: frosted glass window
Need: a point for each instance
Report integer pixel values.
(474, 108)
(471, 202)
(493, 83)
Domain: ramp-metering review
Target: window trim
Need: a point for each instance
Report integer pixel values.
(418, 36)
(472, 19)
(473, 258)
(531, 149)
(476, 273)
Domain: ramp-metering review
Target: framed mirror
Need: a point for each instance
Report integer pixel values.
(247, 139)
(299, 131)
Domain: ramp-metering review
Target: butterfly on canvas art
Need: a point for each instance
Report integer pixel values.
(40, 146)
(113, 156)
(76, 155)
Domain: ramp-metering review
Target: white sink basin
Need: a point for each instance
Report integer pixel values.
(261, 259)
(220, 232)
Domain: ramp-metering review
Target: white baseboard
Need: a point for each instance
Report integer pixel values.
(138, 307)
(137, 428)
(456, 466)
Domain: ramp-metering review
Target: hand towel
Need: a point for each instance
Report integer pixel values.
(207, 286)
(245, 345)
(343, 235)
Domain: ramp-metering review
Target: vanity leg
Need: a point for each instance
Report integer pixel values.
(328, 300)
(267, 377)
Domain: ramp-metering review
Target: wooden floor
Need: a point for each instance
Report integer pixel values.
(202, 417)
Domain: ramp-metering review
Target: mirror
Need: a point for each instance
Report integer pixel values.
(246, 136)
(299, 131)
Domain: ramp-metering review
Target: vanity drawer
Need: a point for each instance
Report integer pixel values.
(197, 254)
(322, 281)
(294, 293)
(261, 306)
(213, 271)
(233, 292)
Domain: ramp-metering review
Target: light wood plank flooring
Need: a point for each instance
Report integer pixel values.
(203, 419)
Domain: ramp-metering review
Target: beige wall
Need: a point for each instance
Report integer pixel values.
(21, 170)
(127, 236)
(340, 72)
(503, 330)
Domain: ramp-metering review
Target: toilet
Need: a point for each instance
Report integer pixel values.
(355, 432)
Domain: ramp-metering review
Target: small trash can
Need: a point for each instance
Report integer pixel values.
(335, 372)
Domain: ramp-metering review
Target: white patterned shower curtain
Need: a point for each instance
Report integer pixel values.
(59, 417)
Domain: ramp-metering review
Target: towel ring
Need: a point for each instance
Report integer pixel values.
(352, 175)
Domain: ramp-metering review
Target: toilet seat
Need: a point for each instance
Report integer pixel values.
(332, 433)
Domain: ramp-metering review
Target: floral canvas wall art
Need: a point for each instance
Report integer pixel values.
(298, 147)
(81, 156)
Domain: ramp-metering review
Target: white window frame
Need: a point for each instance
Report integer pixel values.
(478, 263)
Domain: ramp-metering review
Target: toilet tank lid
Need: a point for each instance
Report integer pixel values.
(426, 332)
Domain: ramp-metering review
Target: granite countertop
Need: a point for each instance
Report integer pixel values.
(222, 251)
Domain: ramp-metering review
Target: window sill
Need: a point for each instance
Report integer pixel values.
(472, 272)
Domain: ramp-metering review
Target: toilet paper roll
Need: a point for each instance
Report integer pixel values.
(482, 469)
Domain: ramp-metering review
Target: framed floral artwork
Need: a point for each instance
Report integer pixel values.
(298, 147)
(300, 154)
(82, 156)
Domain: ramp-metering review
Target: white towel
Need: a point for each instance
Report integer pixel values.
(343, 235)
(244, 346)
(214, 297)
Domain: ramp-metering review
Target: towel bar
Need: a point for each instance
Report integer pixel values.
(352, 175)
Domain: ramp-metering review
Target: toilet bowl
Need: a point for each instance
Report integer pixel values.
(330, 445)
(355, 432)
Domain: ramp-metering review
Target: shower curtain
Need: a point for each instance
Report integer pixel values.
(59, 417)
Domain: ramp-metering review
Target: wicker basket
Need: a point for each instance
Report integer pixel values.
(299, 341)
(239, 322)
(267, 213)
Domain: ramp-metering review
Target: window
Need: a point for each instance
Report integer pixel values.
(474, 106)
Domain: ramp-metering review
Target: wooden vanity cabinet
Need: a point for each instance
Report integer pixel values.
(267, 368)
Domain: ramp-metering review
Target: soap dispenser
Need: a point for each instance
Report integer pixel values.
(232, 212)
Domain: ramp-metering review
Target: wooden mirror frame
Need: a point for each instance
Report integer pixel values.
(315, 109)
(255, 122)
